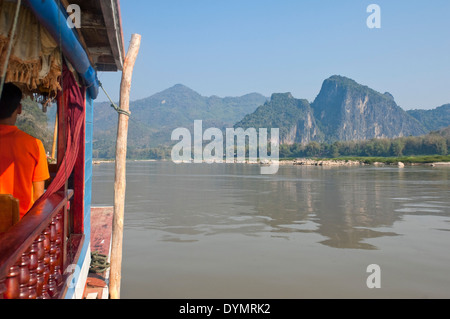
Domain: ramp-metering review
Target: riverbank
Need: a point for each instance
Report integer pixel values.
(435, 160)
(97, 162)
(331, 162)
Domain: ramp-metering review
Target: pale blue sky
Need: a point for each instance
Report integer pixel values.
(231, 47)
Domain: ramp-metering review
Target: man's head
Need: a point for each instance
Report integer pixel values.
(10, 100)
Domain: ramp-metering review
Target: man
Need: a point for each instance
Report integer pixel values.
(23, 162)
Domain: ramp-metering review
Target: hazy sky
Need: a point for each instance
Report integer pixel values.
(235, 47)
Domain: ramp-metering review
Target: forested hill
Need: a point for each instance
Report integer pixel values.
(180, 106)
(154, 118)
(294, 118)
(433, 119)
(35, 122)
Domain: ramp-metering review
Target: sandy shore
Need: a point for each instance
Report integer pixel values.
(440, 164)
(310, 162)
(329, 163)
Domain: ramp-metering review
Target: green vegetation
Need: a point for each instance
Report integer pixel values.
(405, 147)
(34, 122)
(156, 153)
(430, 148)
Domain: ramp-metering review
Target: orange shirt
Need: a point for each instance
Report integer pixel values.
(22, 162)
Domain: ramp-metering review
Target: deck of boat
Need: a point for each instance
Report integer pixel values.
(101, 232)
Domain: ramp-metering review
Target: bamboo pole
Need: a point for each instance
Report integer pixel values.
(55, 137)
(120, 179)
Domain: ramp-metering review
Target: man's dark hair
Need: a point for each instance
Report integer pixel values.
(10, 100)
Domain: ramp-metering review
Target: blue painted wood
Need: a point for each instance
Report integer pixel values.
(88, 164)
(87, 192)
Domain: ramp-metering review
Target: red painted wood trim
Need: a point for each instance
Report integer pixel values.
(20, 237)
(76, 256)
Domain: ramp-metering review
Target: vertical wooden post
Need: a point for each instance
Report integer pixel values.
(55, 137)
(120, 179)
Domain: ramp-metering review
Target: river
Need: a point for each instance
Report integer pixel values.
(226, 231)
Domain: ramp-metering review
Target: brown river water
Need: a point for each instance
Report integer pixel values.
(226, 231)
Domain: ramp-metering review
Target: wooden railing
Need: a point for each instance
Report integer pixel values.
(35, 253)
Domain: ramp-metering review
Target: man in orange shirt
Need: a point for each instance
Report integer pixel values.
(23, 162)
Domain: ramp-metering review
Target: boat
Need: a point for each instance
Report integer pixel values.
(49, 253)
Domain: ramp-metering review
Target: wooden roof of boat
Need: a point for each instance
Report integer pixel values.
(101, 32)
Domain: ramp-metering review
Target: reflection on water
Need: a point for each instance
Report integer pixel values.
(234, 208)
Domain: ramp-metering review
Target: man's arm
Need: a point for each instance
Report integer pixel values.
(38, 190)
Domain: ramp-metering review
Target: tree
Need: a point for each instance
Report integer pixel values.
(335, 149)
(313, 149)
(398, 146)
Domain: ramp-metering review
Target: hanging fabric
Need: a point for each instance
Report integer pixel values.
(35, 61)
(73, 98)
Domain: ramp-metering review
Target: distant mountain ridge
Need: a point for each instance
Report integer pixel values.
(294, 117)
(154, 118)
(180, 106)
(433, 120)
(349, 111)
(343, 110)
